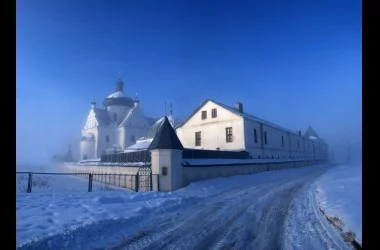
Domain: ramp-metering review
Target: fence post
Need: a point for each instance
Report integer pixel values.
(137, 182)
(158, 182)
(90, 183)
(151, 181)
(30, 184)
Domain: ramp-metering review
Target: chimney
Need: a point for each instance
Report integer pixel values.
(239, 107)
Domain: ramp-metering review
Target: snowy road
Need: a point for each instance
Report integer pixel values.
(272, 210)
(278, 215)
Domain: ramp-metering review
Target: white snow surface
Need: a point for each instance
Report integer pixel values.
(339, 193)
(100, 220)
(117, 94)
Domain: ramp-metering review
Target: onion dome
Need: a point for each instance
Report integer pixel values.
(118, 98)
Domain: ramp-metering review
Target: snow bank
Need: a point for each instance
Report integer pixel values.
(339, 194)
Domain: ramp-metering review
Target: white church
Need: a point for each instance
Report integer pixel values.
(114, 127)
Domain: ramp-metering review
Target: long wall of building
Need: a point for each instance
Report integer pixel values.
(215, 127)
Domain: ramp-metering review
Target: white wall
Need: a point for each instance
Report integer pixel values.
(87, 148)
(136, 126)
(296, 146)
(274, 148)
(90, 129)
(254, 148)
(191, 174)
(213, 130)
(213, 136)
(120, 111)
(102, 143)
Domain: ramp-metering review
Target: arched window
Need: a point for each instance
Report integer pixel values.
(133, 139)
(114, 117)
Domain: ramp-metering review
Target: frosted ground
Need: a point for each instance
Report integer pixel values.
(339, 193)
(234, 212)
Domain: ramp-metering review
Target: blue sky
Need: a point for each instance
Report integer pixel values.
(294, 63)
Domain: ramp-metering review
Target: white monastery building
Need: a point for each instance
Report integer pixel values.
(121, 126)
(215, 126)
(114, 127)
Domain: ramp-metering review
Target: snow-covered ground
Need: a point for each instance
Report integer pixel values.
(204, 214)
(339, 194)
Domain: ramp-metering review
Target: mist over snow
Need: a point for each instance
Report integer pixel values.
(47, 122)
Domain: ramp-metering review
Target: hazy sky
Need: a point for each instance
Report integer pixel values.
(295, 63)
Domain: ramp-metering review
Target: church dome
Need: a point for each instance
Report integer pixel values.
(118, 98)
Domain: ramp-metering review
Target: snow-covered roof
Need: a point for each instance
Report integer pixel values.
(144, 142)
(117, 94)
(242, 114)
(311, 134)
(254, 118)
(153, 130)
(141, 145)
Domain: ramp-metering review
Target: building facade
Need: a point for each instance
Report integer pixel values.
(216, 126)
(115, 126)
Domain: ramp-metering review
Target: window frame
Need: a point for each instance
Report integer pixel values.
(204, 114)
(265, 138)
(214, 113)
(198, 140)
(229, 135)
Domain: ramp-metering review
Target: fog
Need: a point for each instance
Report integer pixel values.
(48, 121)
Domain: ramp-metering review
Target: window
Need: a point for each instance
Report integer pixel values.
(298, 143)
(265, 137)
(282, 141)
(204, 115)
(255, 135)
(197, 138)
(133, 139)
(107, 138)
(229, 134)
(114, 117)
(214, 113)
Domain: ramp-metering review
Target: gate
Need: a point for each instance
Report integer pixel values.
(144, 176)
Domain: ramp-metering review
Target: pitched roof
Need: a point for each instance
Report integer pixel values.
(311, 134)
(241, 114)
(151, 120)
(141, 145)
(101, 117)
(154, 129)
(166, 138)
